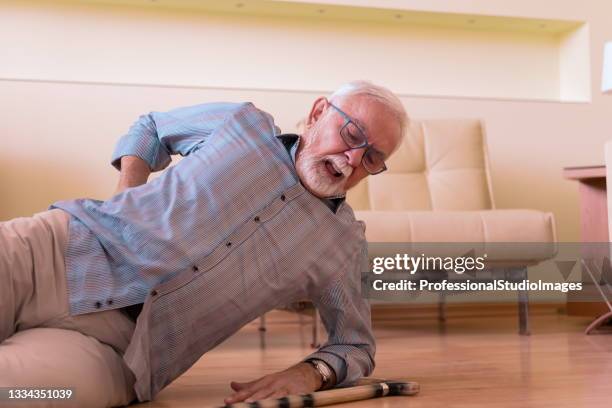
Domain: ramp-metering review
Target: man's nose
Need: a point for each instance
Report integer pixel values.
(354, 156)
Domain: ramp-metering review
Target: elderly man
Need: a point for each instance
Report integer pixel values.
(116, 299)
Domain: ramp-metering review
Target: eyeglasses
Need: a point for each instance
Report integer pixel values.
(354, 137)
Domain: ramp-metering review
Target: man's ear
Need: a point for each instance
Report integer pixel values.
(318, 107)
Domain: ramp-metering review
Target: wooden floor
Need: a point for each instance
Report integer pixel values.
(471, 362)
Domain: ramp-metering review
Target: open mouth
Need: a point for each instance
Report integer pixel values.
(329, 166)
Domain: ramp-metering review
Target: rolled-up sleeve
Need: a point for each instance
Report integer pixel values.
(156, 136)
(351, 347)
(142, 141)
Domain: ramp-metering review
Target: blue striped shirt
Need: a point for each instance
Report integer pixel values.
(123, 251)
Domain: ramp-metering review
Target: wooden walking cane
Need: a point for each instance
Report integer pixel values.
(335, 396)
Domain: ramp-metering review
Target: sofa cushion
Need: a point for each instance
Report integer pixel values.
(440, 165)
(486, 227)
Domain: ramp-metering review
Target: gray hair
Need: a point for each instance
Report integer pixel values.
(382, 94)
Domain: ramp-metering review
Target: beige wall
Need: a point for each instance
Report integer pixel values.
(149, 45)
(58, 126)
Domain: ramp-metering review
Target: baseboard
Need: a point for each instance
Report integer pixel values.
(401, 311)
(415, 311)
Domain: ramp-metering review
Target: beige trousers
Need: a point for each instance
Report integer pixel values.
(41, 345)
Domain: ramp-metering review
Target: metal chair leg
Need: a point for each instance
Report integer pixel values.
(262, 323)
(523, 309)
(441, 307)
(315, 329)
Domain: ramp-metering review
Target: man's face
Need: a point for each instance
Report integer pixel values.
(324, 163)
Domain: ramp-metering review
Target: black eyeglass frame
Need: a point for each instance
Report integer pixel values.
(348, 120)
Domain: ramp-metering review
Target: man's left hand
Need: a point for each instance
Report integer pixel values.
(302, 378)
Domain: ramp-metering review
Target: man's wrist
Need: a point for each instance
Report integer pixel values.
(324, 373)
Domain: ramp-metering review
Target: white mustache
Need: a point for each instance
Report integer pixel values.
(340, 164)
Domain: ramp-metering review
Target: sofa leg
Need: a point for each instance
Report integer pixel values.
(523, 309)
(441, 307)
(315, 328)
(262, 323)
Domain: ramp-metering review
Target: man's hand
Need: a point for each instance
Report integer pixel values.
(302, 378)
(134, 172)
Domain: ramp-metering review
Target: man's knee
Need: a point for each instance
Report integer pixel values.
(57, 358)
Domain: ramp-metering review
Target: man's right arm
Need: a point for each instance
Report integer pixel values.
(154, 137)
(134, 172)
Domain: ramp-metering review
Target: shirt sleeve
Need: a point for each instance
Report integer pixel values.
(351, 347)
(156, 136)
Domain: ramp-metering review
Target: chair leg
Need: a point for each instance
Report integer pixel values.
(315, 329)
(262, 332)
(523, 309)
(441, 307)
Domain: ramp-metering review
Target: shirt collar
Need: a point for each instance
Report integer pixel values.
(292, 142)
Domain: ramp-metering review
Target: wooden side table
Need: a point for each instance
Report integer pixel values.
(593, 201)
(593, 228)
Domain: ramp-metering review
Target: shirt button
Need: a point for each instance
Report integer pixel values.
(153, 292)
(98, 305)
(283, 197)
(109, 302)
(228, 244)
(256, 219)
(195, 268)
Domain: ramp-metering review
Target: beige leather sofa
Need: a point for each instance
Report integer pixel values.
(438, 189)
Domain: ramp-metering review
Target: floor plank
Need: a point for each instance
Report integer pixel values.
(468, 362)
